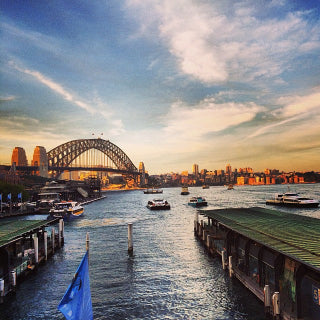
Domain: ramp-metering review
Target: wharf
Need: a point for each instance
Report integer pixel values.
(263, 247)
(24, 244)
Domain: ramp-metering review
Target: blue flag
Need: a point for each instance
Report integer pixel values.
(0, 196)
(20, 195)
(76, 302)
(9, 196)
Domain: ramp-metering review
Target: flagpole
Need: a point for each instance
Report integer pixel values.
(87, 244)
(1, 202)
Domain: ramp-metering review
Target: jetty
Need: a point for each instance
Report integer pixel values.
(24, 244)
(274, 254)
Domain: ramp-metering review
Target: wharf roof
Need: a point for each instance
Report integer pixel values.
(293, 235)
(12, 230)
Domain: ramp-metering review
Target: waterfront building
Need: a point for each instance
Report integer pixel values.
(19, 157)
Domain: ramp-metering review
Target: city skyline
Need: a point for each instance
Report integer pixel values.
(170, 83)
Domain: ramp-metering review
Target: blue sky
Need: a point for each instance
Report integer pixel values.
(171, 83)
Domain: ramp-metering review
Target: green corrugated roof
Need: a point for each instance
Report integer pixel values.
(294, 235)
(14, 229)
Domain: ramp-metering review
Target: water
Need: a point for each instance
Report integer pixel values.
(170, 276)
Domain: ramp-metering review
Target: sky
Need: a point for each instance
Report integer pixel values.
(171, 83)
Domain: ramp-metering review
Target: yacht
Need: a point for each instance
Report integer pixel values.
(158, 204)
(290, 199)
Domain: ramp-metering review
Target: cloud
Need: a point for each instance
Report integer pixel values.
(8, 98)
(207, 117)
(56, 87)
(214, 42)
(293, 109)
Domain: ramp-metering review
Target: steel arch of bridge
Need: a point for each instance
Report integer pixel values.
(62, 156)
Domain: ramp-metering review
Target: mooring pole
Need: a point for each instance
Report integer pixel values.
(130, 244)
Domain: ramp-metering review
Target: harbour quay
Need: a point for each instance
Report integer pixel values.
(24, 244)
(274, 254)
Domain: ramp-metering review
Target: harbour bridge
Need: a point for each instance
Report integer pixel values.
(96, 155)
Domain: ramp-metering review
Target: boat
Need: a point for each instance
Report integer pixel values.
(158, 204)
(46, 201)
(197, 202)
(205, 186)
(184, 191)
(152, 191)
(66, 210)
(290, 199)
(230, 187)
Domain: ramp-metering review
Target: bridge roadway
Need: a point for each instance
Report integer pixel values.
(57, 169)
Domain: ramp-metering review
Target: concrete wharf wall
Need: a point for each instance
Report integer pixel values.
(288, 289)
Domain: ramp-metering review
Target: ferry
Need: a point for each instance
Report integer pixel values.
(66, 210)
(230, 187)
(184, 191)
(152, 191)
(197, 202)
(205, 186)
(158, 204)
(46, 201)
(289, 199)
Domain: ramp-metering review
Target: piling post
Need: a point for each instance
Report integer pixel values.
(230, 267)
(1, 290)
(196, 222)
(267, 300)
(87, 242)
(60, 232)
(276, 305)
(130, 242)
(223, 259)
(204, 232)
(45, 243)
(208, 242)
(13, 280)
(53, 239)
(36, 250)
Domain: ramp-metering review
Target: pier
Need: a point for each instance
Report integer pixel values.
(24, 244)
(274, 254)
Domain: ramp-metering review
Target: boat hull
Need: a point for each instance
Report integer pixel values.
(293, 205)
(184, 193)
(159, 207)
(199, 204)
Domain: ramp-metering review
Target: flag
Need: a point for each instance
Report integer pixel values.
(76, 302)
(20, 196)
(0, 196)
(9, 196)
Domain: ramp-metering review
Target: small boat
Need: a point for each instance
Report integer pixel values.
(152, 191)
(230, 187)
(289, 199)
(66, 210)
(184, 191)
(158, 204)
(205, 186)
(197, 202)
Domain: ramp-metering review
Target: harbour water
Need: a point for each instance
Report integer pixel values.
(169, 276)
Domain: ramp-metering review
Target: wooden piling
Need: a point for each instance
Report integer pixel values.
(60, 232)
(45, 243)
(53, 239)
(130, 242)
(223, 259)
(1, 290)
(36, 250)
(230, 267)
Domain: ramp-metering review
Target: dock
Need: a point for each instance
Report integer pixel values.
(24, 245)
(274, 254)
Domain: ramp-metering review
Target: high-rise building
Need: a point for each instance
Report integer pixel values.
(19, 157)
(195, 170)
(228, 169)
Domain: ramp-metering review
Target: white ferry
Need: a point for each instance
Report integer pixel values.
(289, 199)
(66, 210)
